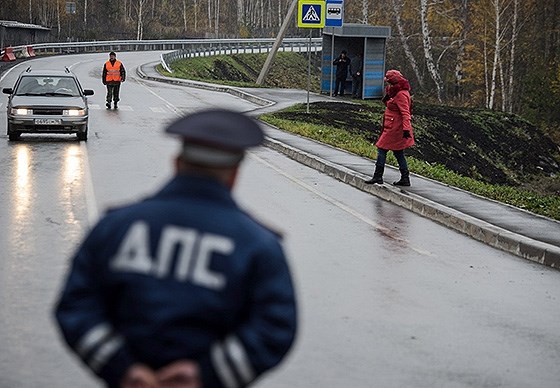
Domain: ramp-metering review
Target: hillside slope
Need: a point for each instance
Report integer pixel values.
(489, 146)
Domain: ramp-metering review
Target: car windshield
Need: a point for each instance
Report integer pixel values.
(47, 86)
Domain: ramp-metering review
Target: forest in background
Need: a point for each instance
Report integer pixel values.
(497, 54)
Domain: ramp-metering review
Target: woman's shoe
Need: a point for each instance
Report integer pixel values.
(405, 178)
(377, 176)
(374, 180)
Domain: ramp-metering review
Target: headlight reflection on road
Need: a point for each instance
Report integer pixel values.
(73, 175)
(22, 182)
(72, 165)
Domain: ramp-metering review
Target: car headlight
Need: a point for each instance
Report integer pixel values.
(74, 112)
(21, 111)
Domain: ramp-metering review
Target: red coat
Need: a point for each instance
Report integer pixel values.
(395, 120)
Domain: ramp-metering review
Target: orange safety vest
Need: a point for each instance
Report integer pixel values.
(113, 71)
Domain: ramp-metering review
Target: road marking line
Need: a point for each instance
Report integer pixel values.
(9, 70)
(172, 107)
(385, 231)
(89, 192)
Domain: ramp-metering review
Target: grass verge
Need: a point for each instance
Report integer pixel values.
(545, 205)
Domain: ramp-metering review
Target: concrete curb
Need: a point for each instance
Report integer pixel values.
(494, 236)
(489, 234)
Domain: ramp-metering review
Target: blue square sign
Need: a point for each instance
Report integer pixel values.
(311, 13)
(334, 13)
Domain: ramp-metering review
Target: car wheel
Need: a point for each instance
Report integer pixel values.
(82, 136)
(12, 135)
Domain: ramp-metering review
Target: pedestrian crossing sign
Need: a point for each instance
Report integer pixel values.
(311, 13)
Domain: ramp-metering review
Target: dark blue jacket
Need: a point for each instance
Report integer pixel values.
(184, 274)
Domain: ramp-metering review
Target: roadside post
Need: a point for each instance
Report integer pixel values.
(277, 41)
(311, 14)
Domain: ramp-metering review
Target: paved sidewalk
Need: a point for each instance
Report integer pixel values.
(502, 226)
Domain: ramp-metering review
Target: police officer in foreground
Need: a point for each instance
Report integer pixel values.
(183, 289)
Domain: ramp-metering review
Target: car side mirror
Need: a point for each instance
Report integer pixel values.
(8, 91)
(88, 92)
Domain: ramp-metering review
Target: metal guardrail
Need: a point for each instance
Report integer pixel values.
(181, 48)
(228, 47)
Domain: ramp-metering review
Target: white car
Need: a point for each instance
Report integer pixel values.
(47, 101)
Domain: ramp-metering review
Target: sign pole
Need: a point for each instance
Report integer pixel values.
(309, 68)
(311, 14)
(332, 66)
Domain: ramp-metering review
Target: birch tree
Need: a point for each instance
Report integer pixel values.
(196, 7)
(240, 12)
(365, 11)
(140, 9)
(85, 15)
(427, 45)
(184, 14)
(58, 27)
(209, 14)
(465, 29)
(497, 46)
(514, 36)
(216, 18)
(396, 7)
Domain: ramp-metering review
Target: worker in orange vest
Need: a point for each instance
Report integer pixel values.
(113, 75)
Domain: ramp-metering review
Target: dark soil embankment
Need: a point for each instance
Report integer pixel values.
(489, 146)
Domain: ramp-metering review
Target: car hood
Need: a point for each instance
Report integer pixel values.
(48, 101)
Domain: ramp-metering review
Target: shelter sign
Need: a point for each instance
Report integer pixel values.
(335, 13)
(311, 13)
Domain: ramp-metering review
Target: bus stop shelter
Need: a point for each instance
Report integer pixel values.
(368, 40)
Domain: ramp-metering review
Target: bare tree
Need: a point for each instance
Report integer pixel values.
(209, 4)
(365, 11)
(499, 9)
(58, 27)
(85, 15)
(216, 18)
(427, 45)
(466, 25)
(279, 14)
(240, 12)
(140, 9)
(184, 14)
(514, 36)
(485, 61)
(195, 15)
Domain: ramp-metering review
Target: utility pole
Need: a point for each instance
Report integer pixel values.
(277, 42)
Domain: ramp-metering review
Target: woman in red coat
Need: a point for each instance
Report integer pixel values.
(397, 131)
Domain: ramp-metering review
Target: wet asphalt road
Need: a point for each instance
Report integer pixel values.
(387, 298)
